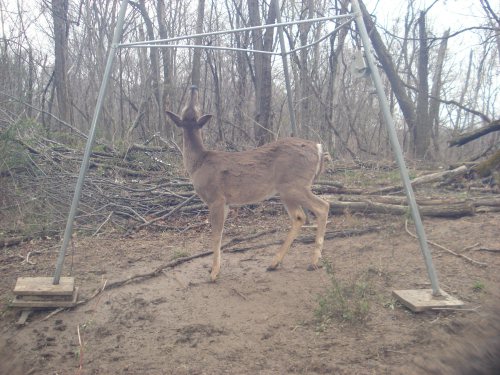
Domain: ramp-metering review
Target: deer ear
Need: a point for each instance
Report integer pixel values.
(203, 120)
(175, 118)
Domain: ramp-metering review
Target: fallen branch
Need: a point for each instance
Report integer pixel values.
(488, 249)
(433, 177)
(171, 212)
(7, 242)
(448, 210)
(237, 240)
(465, 138)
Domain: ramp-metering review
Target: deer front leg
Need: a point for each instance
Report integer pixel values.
(217, 216)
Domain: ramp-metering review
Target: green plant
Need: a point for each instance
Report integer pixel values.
(478, 286)
(345, 302)
(14, 143)
(179, 254)
(391, 304)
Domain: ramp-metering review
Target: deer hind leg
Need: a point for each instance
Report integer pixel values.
(320, 209)
(298, 219)
(217, 216)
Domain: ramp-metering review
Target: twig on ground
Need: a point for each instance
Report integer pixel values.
(80, 343)
(472, 246)
(103, 223)
(488, 249)
(239, 293)
(474, 309)
(56, 311)
(446, 249)
(172, 211)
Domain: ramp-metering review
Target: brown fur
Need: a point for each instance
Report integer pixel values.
(287, 167)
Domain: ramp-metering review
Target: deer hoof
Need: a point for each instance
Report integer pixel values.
(272, 268)
(313, 267)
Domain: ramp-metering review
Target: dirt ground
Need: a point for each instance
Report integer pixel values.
(250, 321)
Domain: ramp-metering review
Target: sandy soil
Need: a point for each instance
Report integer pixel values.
(250, 321)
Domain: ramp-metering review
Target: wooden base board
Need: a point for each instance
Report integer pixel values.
(43, 286)
(422, 300)
(45, 301)
(40, 292)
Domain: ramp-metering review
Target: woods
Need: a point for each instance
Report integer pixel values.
(52, 60)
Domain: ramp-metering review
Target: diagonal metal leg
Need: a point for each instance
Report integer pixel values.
(391, 129)
(90, 141)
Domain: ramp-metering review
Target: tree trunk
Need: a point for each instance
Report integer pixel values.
(195, 75)
(436, 89)
(60, 18)
(446, 210)
(167, 71)
(262, 68)
(465, 138)
(304, 76)
(154, 61)
(422, 131)
(404, 101)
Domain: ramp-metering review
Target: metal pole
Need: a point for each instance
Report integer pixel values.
(293, 123)
(90, 141)
(391, 129)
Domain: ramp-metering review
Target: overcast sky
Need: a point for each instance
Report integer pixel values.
(453, 14)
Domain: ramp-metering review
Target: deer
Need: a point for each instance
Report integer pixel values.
(221, 179)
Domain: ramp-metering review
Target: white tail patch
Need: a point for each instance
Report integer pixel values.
(319, 165)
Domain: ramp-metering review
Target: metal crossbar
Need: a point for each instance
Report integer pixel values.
(157, 44)
(151, 43)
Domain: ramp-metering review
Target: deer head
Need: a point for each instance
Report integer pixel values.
(190, 118)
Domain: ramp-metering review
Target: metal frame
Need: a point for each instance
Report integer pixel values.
(162, 43)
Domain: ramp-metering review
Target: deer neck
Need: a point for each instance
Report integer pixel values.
(194, 151)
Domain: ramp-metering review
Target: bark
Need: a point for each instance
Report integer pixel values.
(262, 72)
(333, 102)
(459, 116)
(61, 28)
(404, 101)
(433, 177)
(154, 61)
(167, 70)
(451, 210)
(421, 135)
(467, 137)
(195, 75)
(489, 166)
(436, 89)
(305, 78)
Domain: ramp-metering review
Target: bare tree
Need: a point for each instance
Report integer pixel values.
(421, 135)
(61, 29)
(262, 41)
(195, 75)
(436, 89)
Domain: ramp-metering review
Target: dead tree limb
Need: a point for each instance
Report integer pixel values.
(449, 210)
(169, 213)
(465, 138)
(433, 177)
